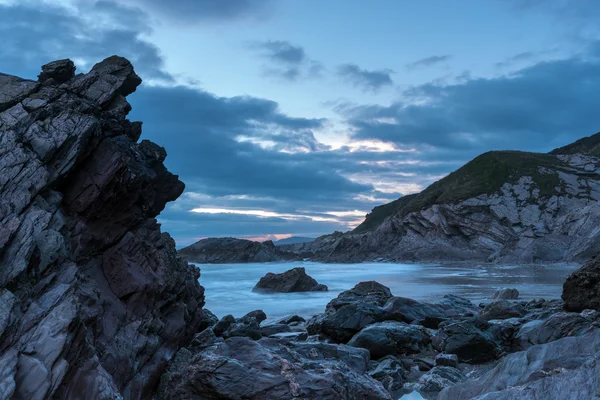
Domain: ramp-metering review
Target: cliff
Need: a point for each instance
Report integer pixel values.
(94, 300)
(503, 206)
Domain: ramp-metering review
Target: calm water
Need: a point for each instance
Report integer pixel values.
(229, 286)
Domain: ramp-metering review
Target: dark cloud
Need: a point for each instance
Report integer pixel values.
(33, 36)
(365, 79)
(538, 107)
(428, 61)
(286, 61)
(208, 10)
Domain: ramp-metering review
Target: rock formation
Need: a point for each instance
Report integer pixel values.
(503, 206)
(294, 280)
(231, 250)
(94, 300)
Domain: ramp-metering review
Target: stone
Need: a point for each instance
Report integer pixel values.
(204, 339)
(390, 372)
(223, 324)
(61, 71)
(502, 309)
(411, 311)
(370, 292)
(446, 360)
(273, 329)
(555, 327)
(294, 280)
(506, 294)
(240, 368)
(257, 315)
(470, 340)
(248, 329)
(581, 290)
(391, 338)
(438, 378)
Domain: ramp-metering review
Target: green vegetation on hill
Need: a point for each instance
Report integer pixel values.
(485, 174)
(589, 145)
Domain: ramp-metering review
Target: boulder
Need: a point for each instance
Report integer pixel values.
(446, 360)
(470, 340)
(391, 338)
(555, 327)
(370, 292)
(240, 368)
(272, 329)
(257, 315)
(294, 280)
(249, 329)
(457, 307)
(223, 324)
(564, 369)
(506, 294)
(502, 309)
(343, 323)
(411, 311)
(581, 290)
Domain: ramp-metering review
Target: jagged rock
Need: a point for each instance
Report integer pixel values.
(294, 280)
(502, 309)
(240, 368)
(204, 339)
(506, 294)
(391, 338)
(223, 324)
(470, 340)
(446, 360)
(285, 320)
(390, 372)
(231, 250)
(581, 290)
(94, 299)
(564, 369)
(61, 71)
(437, 379)
(343, 323)
(247, 328)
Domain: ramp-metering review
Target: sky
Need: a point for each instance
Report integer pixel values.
(297, 117)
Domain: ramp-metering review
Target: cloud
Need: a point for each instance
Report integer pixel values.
(286, 61)
(539, 107)
(428, 61)
(365, 79)
(36, 34)
(195, 11)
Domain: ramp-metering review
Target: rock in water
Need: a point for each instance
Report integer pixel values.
(294, 280)
(581, 290)
(93, 297)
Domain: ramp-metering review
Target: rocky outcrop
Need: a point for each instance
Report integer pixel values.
(240, 368)
(234, 251)
(501, 207)
(564, 369)
(294, 280)
(94, 300)
(581, 290)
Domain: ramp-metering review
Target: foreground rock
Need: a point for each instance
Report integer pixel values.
(240, 368)
(294, 280)
(563, 369)
(581, 290)
(231, 250)
(391, 338)
(93, 297)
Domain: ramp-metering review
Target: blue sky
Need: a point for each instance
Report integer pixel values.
(297, 117)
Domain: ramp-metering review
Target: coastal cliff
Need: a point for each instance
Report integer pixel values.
(94, 300)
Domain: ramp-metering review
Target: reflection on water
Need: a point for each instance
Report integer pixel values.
(229, 286)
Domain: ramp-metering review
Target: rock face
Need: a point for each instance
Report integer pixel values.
(564, 369)
(232, 251)
(240, 368)
(294, 280)
(501, 207)
(94, 300)
(581, 290)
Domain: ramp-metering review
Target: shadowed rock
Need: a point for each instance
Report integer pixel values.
(93, 297)
(581, 290)
(506, 294)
